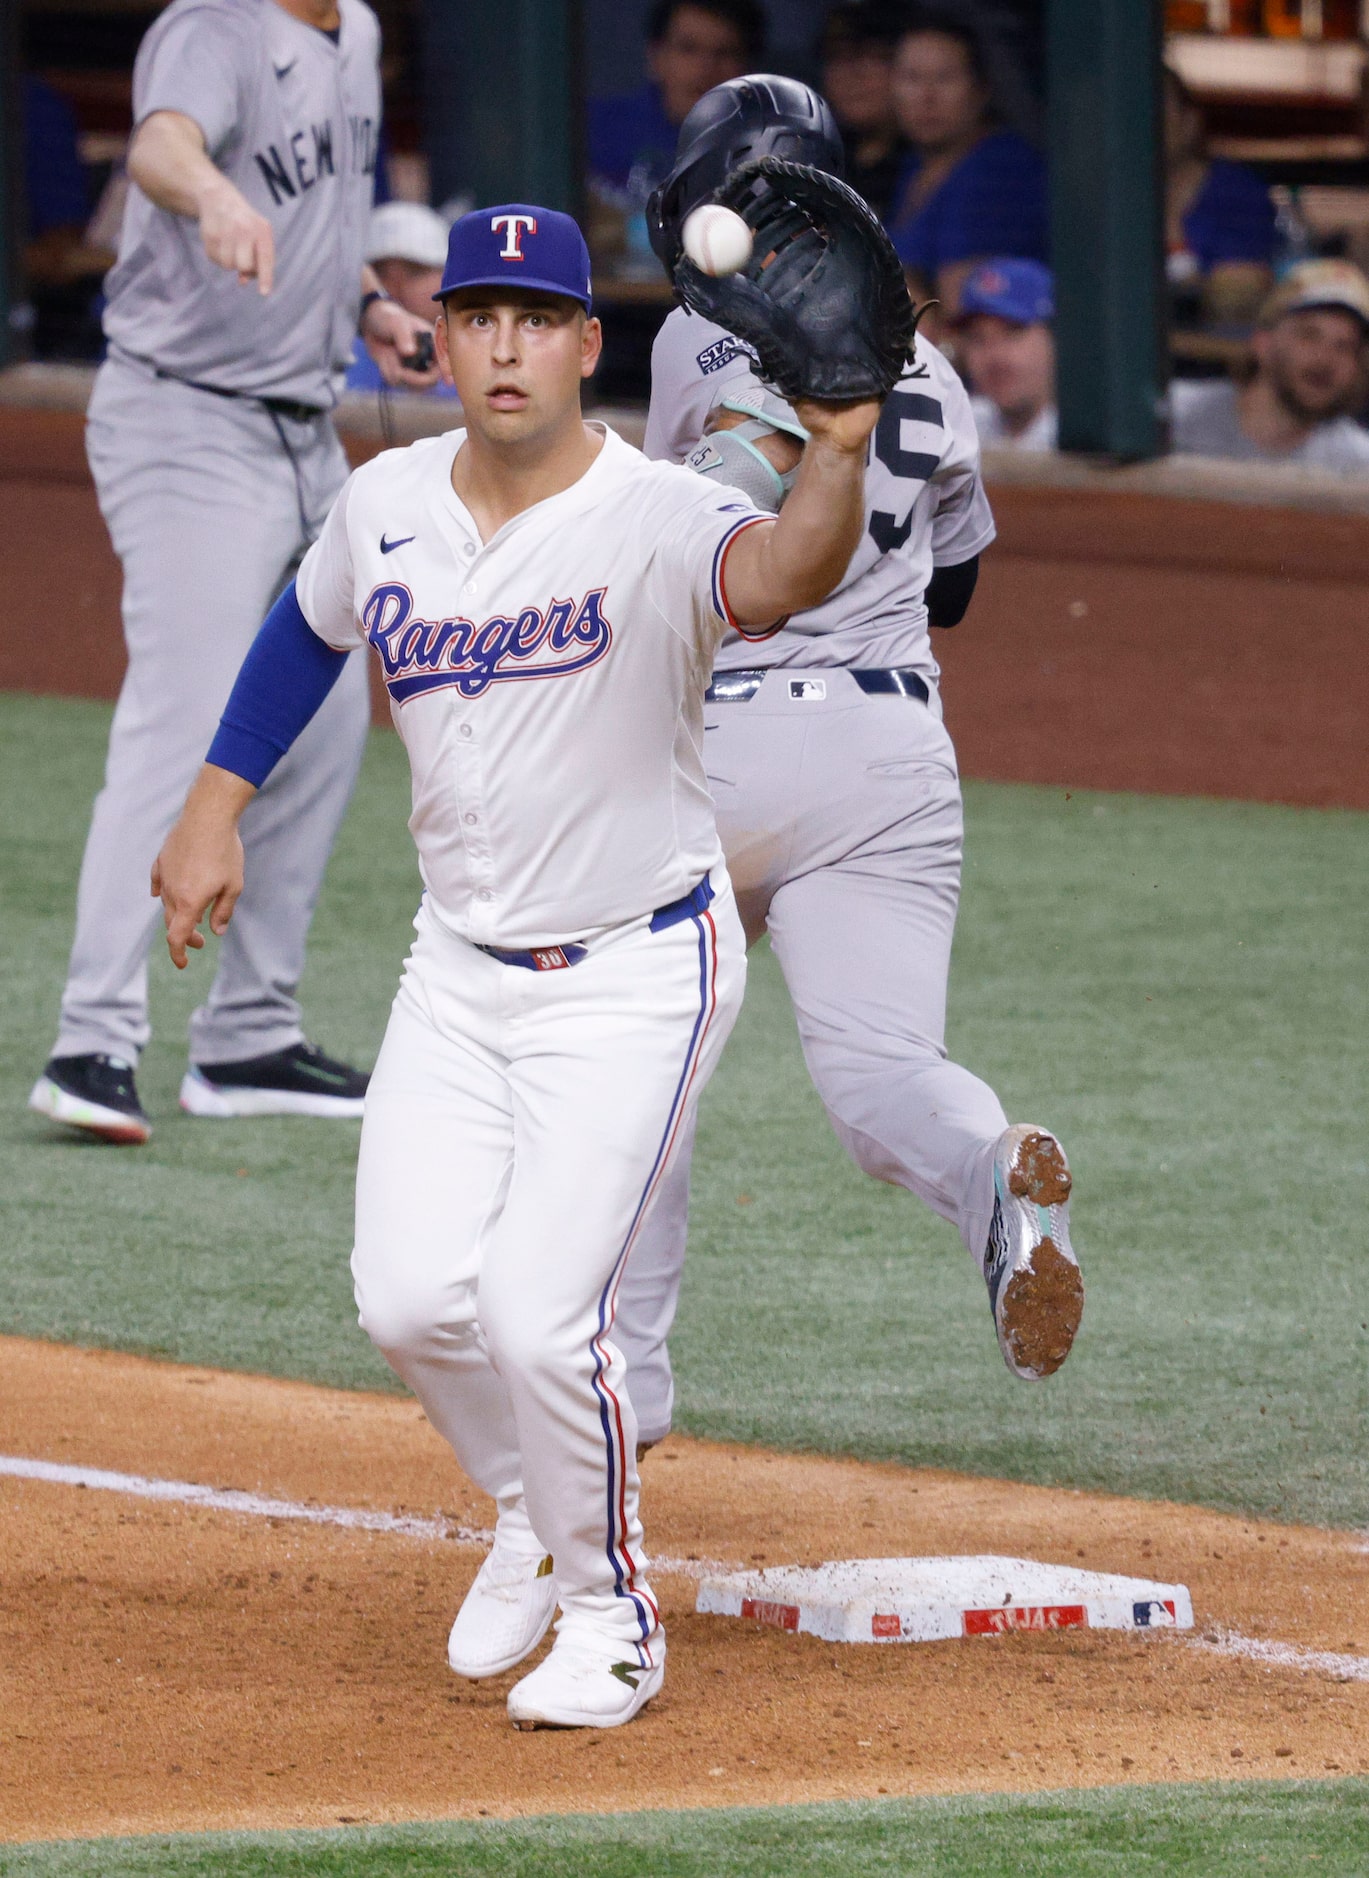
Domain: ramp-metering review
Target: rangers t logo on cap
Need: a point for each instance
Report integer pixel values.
(488, 248)
(513, 225)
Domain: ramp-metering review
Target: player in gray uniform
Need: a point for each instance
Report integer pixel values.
(230, 318)
(838, 799)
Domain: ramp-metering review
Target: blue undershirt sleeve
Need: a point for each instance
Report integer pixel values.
(285, 678)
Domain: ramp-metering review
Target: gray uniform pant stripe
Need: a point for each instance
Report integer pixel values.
(203, 508)
(841, 820)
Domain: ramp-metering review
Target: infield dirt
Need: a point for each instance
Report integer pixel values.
(166, 1667)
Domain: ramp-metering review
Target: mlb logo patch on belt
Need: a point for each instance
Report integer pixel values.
(538, 958)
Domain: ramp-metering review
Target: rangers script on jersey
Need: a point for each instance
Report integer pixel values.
(548, 683)
(925, 503)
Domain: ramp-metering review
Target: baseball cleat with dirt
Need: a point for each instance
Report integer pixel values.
(504, 1615)
(1036, 1291)
(589, 1682)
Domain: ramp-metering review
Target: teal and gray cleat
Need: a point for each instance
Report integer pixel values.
(1036, 1291)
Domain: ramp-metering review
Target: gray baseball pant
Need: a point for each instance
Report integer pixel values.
(210, 502)
(841, 819)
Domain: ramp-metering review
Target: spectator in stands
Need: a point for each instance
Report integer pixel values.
(857, 54)
(1005, 344)
(1310, 352)
(62, 269)
(968, 190)
(692, 45)
(1220, 230)
(406, 244)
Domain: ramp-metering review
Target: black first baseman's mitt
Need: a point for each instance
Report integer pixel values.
(822, 301)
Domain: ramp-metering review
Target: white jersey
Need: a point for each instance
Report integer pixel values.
(542, 811)
(926, 505)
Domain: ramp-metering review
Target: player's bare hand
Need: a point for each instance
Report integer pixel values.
(235, 236)
(394, 337)
(200, 867)
(843, 427)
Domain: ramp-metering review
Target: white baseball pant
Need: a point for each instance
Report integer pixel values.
(518, 1126)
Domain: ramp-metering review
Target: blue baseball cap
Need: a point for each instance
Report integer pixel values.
(1017, 290)
(518, 244)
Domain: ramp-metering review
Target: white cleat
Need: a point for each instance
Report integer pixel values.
(504, 1615)
(588, 1682)
(1036, 1291)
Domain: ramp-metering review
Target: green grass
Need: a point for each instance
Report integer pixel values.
(1180, 1832)
(1177, 986)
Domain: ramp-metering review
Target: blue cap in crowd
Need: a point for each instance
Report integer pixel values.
(520, 245)
(1017, 290)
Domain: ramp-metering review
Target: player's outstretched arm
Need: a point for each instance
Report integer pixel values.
(796, 563)
(287, 674)
(169, 163)
(199, 869)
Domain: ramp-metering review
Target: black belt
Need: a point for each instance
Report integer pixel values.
(278, 407)
(737, 687)
(558, 958)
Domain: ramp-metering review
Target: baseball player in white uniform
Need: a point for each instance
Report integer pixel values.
(230, 318)
(838, 802)
(546, 606)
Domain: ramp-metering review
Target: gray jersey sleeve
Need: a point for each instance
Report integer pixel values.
(962, 522)
(690, 360)
(202, 65)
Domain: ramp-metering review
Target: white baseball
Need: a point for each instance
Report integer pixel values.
(716, 239)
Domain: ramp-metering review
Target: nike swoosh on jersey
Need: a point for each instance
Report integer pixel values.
(284, 71)
(388, 547)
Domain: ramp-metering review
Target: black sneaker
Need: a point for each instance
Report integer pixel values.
(297, 1081)
(94, 1093)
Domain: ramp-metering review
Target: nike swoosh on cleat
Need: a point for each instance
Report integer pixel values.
(322, 1075)
(388, 547)
(625, 1672)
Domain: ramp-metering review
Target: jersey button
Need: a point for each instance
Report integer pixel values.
(486, 893)
(465, 730)
(471, 820)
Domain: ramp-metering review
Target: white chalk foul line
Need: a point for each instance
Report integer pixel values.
(258, 1506)
(231, 1500)
(1339, 1667)
(1284, 1655)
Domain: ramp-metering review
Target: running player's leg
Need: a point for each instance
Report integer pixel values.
(754, 836)
(864, 942)
(203, 552)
